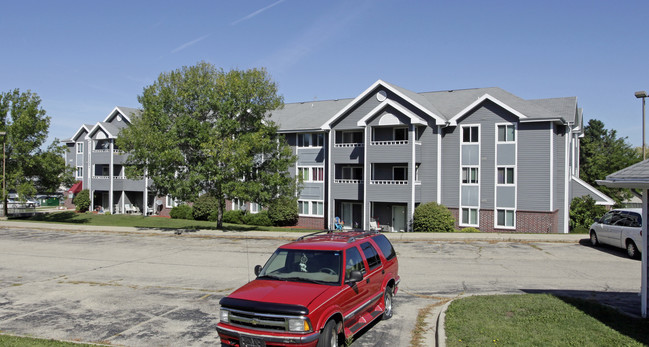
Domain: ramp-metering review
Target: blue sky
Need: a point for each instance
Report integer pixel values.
(83, 58)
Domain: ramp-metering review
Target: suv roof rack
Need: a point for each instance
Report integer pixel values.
(362, 234)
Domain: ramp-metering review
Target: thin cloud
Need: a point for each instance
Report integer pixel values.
(189, 44)
(257, 12)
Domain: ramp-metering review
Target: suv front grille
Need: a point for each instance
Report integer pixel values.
(259, 320)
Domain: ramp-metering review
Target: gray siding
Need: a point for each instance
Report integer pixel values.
(506, 154)
(427, 159)
(559, 138)
(534, 186)
(506, 197)
(450, 167)
(310, 156)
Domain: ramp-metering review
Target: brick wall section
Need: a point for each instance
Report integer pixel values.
(526, 222)
(311, 223)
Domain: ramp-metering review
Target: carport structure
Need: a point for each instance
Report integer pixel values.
(636, 177)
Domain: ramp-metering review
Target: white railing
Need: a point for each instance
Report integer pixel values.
(389, 143)
(101, 150)
(348, 181)
(340, 145)
(390, 182)
(100, 177)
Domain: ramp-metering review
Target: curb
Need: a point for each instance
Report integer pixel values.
(440, 332)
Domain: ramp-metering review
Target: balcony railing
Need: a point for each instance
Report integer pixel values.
(347, 181)
(389, 143)
(390, 182)
(341, 145)
(105, 177)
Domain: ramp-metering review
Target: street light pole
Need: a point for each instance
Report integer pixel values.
(4, 190)
(642, 94)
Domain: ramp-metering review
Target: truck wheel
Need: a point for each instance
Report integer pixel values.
(387, 301)
(329, 338)
(631, 249)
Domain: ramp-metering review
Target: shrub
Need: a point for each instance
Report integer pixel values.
(260, 219)
(82, 200)
(283, 211)
(183, 211)
(233, 216)
(432, 217)
(582, 213)
(470, 230)
(204, 206)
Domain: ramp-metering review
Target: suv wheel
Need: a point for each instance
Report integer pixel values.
(631, 249)
(593, 238)
(387, 301)
(329, 338)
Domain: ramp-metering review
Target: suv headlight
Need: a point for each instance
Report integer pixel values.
(225, 316)
(299, 325)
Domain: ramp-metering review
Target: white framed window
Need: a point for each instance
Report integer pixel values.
(255, 207)
(311, 174)
(303, 173)
(470, 175)
(317, 208)
(79, 171)
(170, 202)
(471, 134)
(310, 208)
(505, 175)
(505, 218)
(310, 140)
(352, 136)
(469, 216)
(352, 172)
(506, 133)
(317, 174)
(238, 204)
(79, 147)
(400, 134)
(302, 207)
(400, 173)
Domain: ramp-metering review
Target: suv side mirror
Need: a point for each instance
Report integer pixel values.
(596, 220)
(355, 276)
(257, 270)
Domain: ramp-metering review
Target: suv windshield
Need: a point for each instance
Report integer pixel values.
(303, 266)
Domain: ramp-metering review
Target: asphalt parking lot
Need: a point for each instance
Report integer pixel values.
(160, 289)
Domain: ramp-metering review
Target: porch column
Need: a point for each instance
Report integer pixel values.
(110, 173)
(645, 249)
(413, 161)
(146, 194)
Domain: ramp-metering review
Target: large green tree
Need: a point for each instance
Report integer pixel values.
(603, 153)
(206, 131)
(29, 168)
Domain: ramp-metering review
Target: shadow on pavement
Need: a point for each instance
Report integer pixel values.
(618, 252)
(629, 323)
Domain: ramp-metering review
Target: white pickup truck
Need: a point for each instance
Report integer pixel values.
(619, 228)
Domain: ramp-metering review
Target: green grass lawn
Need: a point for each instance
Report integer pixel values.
(15, 341)
(143, 222)
(540, 320)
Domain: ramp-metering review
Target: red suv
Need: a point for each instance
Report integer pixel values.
(319, 290)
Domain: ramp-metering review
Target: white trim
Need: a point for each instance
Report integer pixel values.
(367, 137)
(551, 167)
(410, 210)
(439, 164)
(453, 120)
(77, 147)
(327, 124)
(330, 179)
(117, 110)
(593, 190)
(566, 181)
(507, 227)
(95, 128)
(478, 166)
(643, 253)
(414, 119)
(309, 204)
(77, 134)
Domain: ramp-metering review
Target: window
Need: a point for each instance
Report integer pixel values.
(506, 133)
(79, 171)
(385, 246)
(400, 173)
(352, 137)
(400, 134)
(470, 216)
(352, 172)
(170, 202)
(470, 134)
(238, 204)
(303, 173)
(302, 207)
(505, 175)
(353, 262)
(254, 207)
(373, 259)
(79, 147)
(317, 174)
(505, 218)
(317, 208)
(470, 175)
(310, 140)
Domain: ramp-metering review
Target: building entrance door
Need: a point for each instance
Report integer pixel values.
(352, 215)
(399, 218)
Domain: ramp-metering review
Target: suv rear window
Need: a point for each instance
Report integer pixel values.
(373, 259)
(385, 246)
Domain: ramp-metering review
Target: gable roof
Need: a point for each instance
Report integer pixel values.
(84, 127)
(126, 112)
(634, 176)
(410, 97)
(108, 128)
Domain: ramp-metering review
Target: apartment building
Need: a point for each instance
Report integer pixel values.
(498, 162)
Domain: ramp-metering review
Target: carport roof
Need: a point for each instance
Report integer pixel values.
(634, 176)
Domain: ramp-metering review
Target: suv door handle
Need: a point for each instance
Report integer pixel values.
(367, 280)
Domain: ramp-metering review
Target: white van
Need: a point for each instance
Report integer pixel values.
(619, 228)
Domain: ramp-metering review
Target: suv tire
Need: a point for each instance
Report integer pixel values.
(387, 301)
(593, 239)
(631, 249)
(329, 338)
